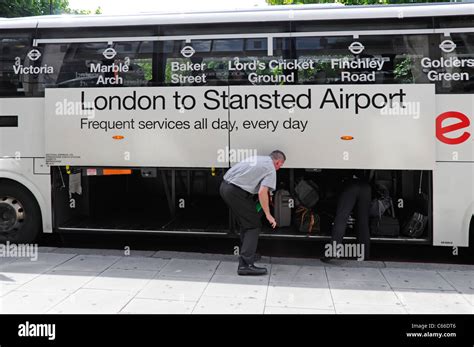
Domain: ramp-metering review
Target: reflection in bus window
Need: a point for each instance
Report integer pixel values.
(99, 64)
(378, 59)
(16, 68)
(225, 62)
(453, 70)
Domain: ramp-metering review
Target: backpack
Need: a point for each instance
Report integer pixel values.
(307, 193)
(415, 226)
(382, 202)
(382, 224)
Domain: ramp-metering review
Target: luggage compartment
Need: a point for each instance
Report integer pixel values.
(409, 194)
(146, 200)
(187, 201)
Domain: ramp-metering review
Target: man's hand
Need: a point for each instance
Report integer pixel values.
(271, 220)
(264, 198)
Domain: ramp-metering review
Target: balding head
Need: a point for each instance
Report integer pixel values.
(278, 158)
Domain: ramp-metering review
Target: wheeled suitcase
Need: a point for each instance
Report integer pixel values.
(384, 226)
(282, 208)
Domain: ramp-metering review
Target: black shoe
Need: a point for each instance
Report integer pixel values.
(251, 270)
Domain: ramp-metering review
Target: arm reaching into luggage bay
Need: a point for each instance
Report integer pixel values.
(264, 202)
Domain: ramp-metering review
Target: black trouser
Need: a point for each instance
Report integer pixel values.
(244, 208)
(355, 194)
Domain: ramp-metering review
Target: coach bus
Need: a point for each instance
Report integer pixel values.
(128, 123)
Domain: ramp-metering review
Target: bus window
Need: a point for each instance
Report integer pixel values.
(224, 61)
(369, 59)
(87, 64)
(451, 65)
(17, 67)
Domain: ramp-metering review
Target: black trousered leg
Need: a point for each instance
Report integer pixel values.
(356, 194)
(243, 207)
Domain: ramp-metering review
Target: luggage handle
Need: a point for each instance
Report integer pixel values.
(420, 189)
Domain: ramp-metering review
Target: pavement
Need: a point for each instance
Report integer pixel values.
(70, 280)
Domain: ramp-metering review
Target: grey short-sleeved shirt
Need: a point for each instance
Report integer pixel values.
(252, 173)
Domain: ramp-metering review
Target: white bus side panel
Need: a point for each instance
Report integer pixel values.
(22, 151)
(381, 140)
(26, 140)
(453, 179)
(453, 204)
(70, 143)
(459, 109)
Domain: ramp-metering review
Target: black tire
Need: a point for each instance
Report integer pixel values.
(20, 216)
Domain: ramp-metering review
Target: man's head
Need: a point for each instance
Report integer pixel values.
(278, 158)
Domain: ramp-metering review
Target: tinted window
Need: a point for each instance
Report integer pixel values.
(451, 65)
(17, 69)
(223, 61)
(99, 64)
(369, 59)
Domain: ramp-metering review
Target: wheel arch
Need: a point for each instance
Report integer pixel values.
(18, 179)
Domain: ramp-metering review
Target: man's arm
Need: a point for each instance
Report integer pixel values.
(264, 199)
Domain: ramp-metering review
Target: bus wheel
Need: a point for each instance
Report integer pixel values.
(20, 218)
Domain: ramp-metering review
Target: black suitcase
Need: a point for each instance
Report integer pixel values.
(384, 226)
(282, 208)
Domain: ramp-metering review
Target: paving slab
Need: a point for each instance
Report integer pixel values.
(191, 255)
(91, 251)
(140, 263)
(173, 288)
(295, 310)
(434, 302)
(202, 269)
(91, 263)
(93, 301)
(223, 305)
(299, 296)
(238, 287)
(428, 266)
(18, 302)
(296, 261)
(43, 263)
(298, 274)
(59, 281)
(369, 309)
(17, 278)
(6, 288)
(363, 293)
(152, 306)
(123, 280)
(355, 274)
(416, 279)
